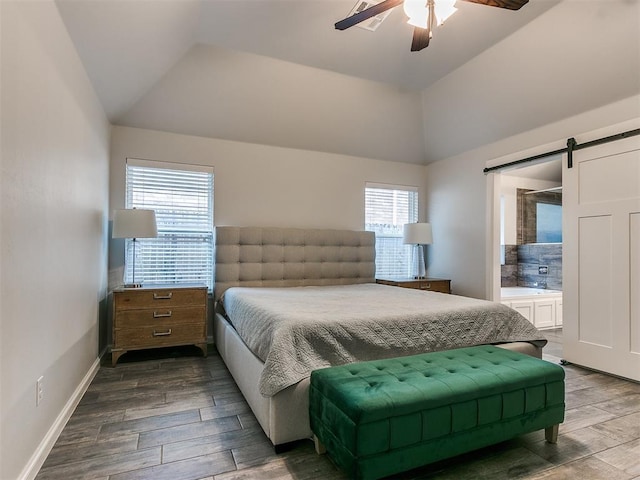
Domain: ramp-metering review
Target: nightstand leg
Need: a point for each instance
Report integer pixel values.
(115, 355)
(203, 347)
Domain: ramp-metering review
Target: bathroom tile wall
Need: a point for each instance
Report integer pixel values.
(509, 271)
(535, 255)
(523, 262)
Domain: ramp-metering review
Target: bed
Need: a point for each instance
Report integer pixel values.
(331, 272)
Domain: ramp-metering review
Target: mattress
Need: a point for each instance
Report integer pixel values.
(296, 330)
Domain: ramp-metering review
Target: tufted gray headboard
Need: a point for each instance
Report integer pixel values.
(286, 257)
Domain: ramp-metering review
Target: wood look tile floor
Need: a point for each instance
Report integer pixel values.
(179, 416)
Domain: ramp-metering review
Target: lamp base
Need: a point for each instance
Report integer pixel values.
(419, 270)
(132, 285)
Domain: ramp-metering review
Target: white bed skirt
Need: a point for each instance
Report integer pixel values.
(285, 416)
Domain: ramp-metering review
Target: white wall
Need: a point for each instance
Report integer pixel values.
(55, 140)
(553, 67)
(258, 185)
(457, 190)
(218, 93)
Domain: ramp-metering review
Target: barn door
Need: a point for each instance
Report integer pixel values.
(601, 258)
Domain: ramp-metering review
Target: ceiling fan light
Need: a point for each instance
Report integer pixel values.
(444, 9)
(417, 12)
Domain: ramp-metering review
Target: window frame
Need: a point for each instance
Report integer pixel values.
(402, 265)
(148, 271)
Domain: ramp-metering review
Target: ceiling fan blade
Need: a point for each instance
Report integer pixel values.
(421, 37)
(509, 4)
(367, 13)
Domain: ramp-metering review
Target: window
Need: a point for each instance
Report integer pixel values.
(387, 209)
(182, 197)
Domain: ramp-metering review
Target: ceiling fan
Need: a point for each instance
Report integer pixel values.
(424, 15)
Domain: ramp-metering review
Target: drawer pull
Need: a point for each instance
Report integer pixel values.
(162, 334)
(426, 286)
(162, 315)
(162, 297)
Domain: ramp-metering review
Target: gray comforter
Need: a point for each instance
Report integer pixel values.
(299, 329)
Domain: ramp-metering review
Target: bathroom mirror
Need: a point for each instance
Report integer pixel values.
(539, 216)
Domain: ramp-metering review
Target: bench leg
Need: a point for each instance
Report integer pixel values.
(551, 433)
(320, 448)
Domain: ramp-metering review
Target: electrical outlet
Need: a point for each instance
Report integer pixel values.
(39, 390)
(543, 270)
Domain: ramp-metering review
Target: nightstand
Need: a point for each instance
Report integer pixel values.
(159, 316)
(430, 284)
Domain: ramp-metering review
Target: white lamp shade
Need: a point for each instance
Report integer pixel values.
(417, 233)
(134, 223)
(444, 9)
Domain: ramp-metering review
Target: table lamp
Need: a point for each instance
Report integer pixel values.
(134, 223)
(418, 235)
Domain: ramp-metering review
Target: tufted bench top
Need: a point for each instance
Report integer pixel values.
(367, 389)
(384, 414)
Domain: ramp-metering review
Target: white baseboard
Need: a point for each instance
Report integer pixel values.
(40, 455)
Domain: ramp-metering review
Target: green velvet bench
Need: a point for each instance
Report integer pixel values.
(387, 416)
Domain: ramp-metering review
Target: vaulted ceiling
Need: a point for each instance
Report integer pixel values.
(276, 72)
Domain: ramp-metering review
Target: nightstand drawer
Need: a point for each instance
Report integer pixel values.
(435, 286)
(417, 284)
(159, 335)
(159, 298)
(441, 285)
(160, 316)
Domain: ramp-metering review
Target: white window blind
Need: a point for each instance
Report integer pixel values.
(387, 209)
(182, 197)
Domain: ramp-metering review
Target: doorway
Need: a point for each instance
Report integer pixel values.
(601, 230)
(528, 269)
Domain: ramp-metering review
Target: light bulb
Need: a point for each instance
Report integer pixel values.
(417, 12)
